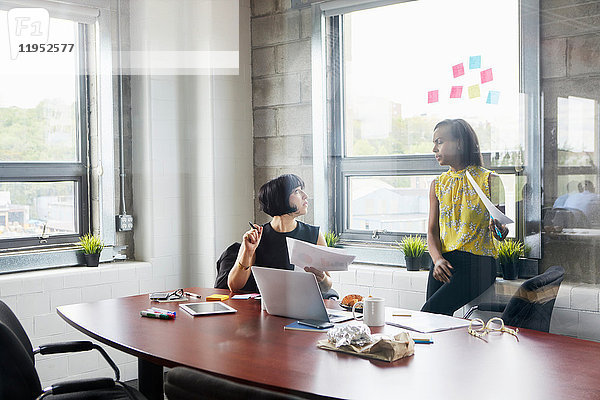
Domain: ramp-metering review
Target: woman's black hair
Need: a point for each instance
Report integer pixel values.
(274, 195)
(467, 138)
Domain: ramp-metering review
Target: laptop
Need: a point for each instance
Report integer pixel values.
(294, 294)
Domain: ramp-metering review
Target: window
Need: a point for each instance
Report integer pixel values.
(43, 138)
(55, 103)
(392, 71)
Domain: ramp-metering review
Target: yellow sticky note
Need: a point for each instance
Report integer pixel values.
(474, 91)
(217, 297)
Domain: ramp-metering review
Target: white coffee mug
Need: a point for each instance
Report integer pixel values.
(373, 311)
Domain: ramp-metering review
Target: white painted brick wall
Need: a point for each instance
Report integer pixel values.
(33, 296)
(576, 310)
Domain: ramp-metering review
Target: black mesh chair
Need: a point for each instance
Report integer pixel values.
(19, 379)
(531, 306)
(189, 384)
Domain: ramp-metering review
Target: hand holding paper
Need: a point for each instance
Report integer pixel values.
(304, 254)
(494, 212)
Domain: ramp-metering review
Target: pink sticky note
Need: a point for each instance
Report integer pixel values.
(432, 96)
(486, 75)
(456, 92)
(458, 70)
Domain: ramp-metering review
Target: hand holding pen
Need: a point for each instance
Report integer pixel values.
(251, 238)
(494, 227)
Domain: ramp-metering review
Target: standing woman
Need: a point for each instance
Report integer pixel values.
(284, 199)
(460, 232)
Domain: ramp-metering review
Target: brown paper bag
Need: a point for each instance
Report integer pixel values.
(384, 349)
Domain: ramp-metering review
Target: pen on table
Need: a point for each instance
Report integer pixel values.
(161, 310)
(401, 315)
(496, 227)
(189, 294)
(152, 314)
(423, 341)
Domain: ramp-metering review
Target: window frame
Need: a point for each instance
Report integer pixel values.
(60, 171)
(93, 172)
(331, 176)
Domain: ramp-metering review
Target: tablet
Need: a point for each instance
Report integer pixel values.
(207, 308)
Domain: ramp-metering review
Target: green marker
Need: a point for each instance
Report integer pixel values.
(151, 314)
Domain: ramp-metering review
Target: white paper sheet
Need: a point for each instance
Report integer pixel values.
(494, 212)
(323, 258)
(423, 322)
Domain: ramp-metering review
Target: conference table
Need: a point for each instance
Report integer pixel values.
(251, 347)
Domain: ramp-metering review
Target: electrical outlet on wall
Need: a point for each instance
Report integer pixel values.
(124, 223)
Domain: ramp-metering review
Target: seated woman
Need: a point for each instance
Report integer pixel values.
(284, 199)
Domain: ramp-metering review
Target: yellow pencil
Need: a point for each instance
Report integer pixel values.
(401, 315)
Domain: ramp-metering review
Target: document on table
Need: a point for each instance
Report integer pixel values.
(323, 258)
(494, 212)
(423, 322)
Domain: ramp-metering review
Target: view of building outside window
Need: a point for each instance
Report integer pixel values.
(28, 209)
(39, 124)
(401, 77)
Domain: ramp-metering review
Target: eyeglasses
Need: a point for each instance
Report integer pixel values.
(176, 295)
(167, 296)
(495, 324)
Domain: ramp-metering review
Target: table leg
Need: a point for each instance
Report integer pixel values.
(150, 380)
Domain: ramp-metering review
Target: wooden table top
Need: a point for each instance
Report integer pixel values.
(251, 346)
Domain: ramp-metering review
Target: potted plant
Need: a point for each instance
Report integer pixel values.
(332, 239)
(413, 248)
(92, 247)
(509, 252)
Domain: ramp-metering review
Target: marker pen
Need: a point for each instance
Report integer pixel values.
(252, 225)
(496, 227)
(151, 314)
(163, 311)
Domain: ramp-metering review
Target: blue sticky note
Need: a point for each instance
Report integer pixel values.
(493, 97)
(474, 62)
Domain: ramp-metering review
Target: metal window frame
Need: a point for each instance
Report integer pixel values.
(331, 202)
(48, 171)
(95, 188)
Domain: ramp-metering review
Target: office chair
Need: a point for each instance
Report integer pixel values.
(227, 260)
(19, 379)
(565, 218)
(531, 306)
(188, 384)
(225, 263)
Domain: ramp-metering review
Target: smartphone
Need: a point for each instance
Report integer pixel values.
(315, 323)
(160, 296)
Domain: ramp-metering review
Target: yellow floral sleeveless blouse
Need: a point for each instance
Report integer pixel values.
(463, 217)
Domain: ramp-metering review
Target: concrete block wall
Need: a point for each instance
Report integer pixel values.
(33, 296)
(281, 94)
(576, 310)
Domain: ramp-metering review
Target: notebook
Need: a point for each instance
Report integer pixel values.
(295, 295)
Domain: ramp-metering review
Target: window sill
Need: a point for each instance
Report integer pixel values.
(378, 254)
(48, 258)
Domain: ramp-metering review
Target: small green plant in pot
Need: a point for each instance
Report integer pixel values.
(92, 246)
(332, 239)
(509, 252)
(413, 248)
